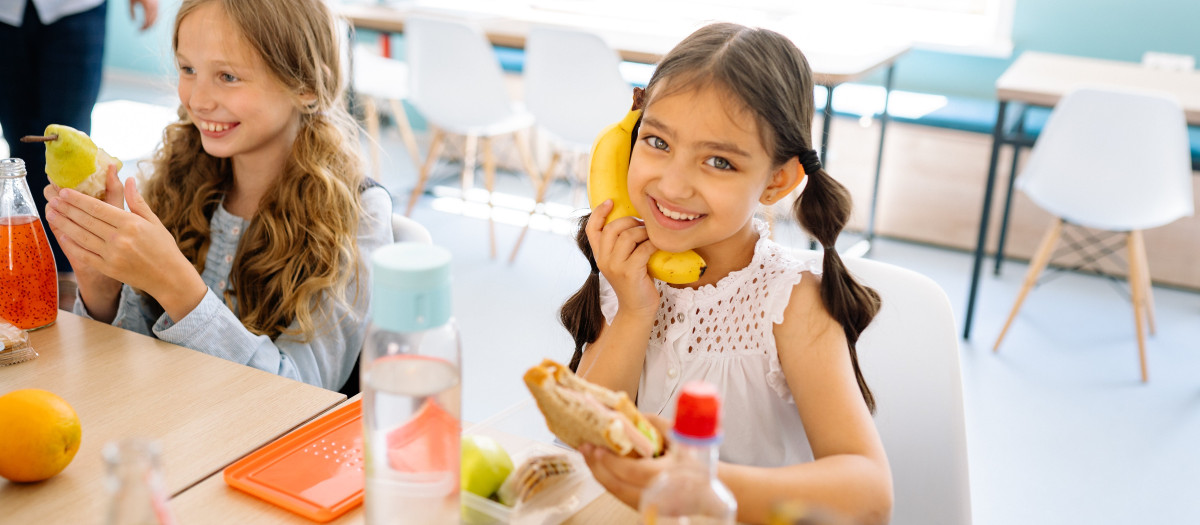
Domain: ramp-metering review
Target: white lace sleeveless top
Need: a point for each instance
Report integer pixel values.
(722, 334)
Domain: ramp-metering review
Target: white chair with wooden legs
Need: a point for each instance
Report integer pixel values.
(379, 79)
(1110, 160)
(375, 79)
(457, 85)
(574, 89)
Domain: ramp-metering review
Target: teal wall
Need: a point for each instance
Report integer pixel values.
(1114, 29)
(127, 47)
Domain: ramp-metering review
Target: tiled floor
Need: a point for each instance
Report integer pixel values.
(1060, 429)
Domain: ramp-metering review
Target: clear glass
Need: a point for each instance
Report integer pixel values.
(688, 491)
(412, 390)
(137, 494)
(28, 279)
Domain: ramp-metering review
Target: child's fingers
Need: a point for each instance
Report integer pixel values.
(65, 221)
(628, 240)
(50, 191)
(641, 255)
(137, 204)
(112, 188)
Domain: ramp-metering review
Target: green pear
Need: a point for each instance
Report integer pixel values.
(74, 161)
(485, 465)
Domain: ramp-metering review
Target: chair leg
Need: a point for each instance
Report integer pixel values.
(539, 196)
(1144, 263)
(1040, 259)
(489, 181)
(521, 137)
(435, 149)
(371, 114)
(1136, 286)
(406, 132)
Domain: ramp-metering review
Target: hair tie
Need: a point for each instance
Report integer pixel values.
(639, 98)
(810, 161)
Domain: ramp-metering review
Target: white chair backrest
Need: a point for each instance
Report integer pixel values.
(405, 229)
(573, 84)
(909, 357)
(1114, 160)
(454, 76)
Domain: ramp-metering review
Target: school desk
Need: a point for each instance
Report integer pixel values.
(214, 502)
(205, 412)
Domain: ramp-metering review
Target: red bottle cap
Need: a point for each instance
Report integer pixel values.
(698, 413)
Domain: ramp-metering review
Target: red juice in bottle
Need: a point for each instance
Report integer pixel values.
(28, 279)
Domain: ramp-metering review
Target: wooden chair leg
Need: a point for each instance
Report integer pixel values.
(521, 137)
(1144, 263)
(1040, 259)
(539, 196)
(435, 149)
(1137, 288)
(406, 132)
(489, 181)
(371, 114)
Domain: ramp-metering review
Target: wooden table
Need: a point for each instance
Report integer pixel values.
(835, 57)
(214, 502)
(1042, 79)
(204, 411)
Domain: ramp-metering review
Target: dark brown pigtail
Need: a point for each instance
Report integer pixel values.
(823, 210)
(581, 314)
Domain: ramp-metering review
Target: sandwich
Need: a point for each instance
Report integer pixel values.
(579, 412)
(534, 476)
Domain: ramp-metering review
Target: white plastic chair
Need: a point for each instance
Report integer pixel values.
(375, 79)
(405, 229)
(909, 358)
(574, 88)
(1110, 160)
(457, 85)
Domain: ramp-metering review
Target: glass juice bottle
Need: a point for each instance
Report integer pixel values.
(411, 389)
(28, 279)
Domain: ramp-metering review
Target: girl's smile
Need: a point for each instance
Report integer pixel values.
(215, 130)
(675, 218)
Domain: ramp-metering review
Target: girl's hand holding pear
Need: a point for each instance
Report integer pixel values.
(126, 246)
(100, 292)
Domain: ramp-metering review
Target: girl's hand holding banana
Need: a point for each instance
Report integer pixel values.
(622, 250)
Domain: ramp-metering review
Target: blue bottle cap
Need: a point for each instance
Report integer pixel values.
(410, 287)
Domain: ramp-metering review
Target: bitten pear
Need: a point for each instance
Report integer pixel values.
(73, 160)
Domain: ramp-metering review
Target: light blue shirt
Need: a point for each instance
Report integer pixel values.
(12, 12)
(326, 360)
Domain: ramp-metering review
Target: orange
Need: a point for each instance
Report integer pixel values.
(41, 435)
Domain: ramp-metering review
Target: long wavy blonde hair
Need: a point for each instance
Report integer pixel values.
(299, 247)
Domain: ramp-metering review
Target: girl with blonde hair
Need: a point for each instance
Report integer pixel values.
(251, 240)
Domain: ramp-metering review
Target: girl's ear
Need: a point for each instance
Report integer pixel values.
(785, 179)
(307, 98)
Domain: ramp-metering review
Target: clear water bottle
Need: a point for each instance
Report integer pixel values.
(137, 493)
(688, 491)
(411, 384)
(28, 279)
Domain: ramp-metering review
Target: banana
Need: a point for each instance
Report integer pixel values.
(608, 179)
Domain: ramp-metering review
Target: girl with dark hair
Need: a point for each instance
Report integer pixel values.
(726, 127)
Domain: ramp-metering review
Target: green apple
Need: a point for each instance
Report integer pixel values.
(485, 465)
